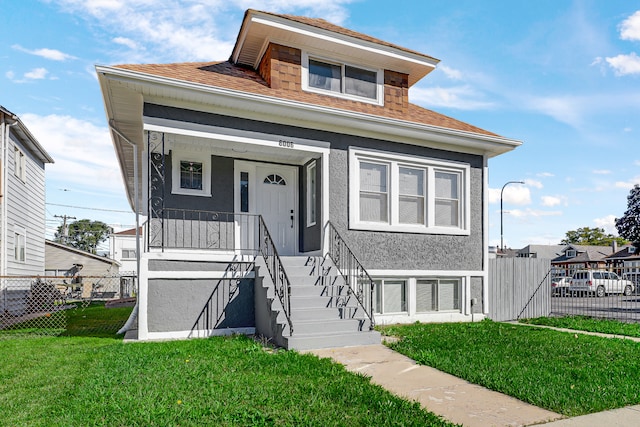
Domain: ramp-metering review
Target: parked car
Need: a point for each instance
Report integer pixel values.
(599, 282)
(560, 285)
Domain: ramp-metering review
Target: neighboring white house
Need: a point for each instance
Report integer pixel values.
(122, 248)
(22, 198)
(301, 154)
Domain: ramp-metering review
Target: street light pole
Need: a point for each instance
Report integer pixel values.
(501, 211)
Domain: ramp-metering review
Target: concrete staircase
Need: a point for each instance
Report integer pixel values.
(323, 312)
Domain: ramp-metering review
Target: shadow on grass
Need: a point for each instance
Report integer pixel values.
(94, 320)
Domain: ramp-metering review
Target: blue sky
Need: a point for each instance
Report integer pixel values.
(561, 76)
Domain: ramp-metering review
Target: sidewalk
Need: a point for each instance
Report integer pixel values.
(452, 398)
(457, 400)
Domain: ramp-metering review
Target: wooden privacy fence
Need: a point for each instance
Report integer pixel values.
(519, 288)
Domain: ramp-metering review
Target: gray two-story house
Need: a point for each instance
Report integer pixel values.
(294, 191)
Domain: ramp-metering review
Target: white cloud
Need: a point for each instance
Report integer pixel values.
(187, 30)
(513, 195)
(608, 223)
(533, 183)
(630, 27)
(10, 75)
(627, 129)
(458, 97)
(601, 172)
(451, 73)
(551, 201)
(126, 42)
(53, 54)
(565, 109)
(545, 175)
(628, 185)
(625, 64)
(82, 152)
(533, 213)
(636, 162)
(36, 74)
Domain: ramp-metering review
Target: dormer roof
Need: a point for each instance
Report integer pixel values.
(260, 28)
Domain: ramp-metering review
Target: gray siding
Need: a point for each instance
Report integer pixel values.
(379, 250)
(221, 199)
(25, 209)
(200, 304)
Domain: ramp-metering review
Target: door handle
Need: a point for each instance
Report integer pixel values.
(291, 218)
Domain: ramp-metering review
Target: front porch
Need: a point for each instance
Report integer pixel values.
(210, 273)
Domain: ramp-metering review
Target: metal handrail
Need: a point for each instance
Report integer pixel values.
(276, 270)
(352, 271)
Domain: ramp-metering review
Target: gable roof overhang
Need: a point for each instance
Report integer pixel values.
(260, 28)
(26, 137)
(125, 92)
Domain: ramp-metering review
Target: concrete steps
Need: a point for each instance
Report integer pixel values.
(323, 311)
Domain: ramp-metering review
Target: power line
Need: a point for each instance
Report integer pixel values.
(91, 209)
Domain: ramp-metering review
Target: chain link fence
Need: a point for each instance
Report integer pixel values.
(60, 305)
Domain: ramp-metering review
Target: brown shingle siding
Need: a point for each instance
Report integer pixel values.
(396, 91)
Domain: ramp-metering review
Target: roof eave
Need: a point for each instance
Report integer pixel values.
(414, 64)
(326, 118)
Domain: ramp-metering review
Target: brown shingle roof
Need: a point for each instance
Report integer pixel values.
(325, 25)
(228, 76)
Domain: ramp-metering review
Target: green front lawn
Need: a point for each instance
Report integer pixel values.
(584, 323)
(78, 381)
(569, 373)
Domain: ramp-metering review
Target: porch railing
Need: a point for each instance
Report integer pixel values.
(276, 270)
(197, 229)
(355, 275)
(242, 233)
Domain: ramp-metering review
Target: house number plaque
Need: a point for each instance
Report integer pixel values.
(286, 144)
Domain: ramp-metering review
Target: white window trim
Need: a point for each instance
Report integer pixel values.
(407, 299)
(312, 169)
(176, 158)
(379, 79)
(20, 164)
(356, 155)
(438, 309)
(19, 231)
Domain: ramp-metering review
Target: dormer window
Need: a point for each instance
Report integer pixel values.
(341, 79)
(571, 253)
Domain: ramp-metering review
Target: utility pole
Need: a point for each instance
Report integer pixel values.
(65, 229)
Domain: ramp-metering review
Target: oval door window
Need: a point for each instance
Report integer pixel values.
(275, 179)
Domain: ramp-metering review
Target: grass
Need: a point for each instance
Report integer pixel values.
(219, 381)
(584, 323)
(93, 320)
(568, 373)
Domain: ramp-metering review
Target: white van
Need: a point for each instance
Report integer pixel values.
(600, 282)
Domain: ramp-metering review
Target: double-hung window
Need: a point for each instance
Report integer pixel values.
(19, 244)
(341, 79)
(391, 192)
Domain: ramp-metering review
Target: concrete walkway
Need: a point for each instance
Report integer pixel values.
(452, 398)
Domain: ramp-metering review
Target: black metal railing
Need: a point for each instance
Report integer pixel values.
(276, 270)
(354, 274)
(196, 229)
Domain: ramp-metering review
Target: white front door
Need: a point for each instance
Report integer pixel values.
(276, 201)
